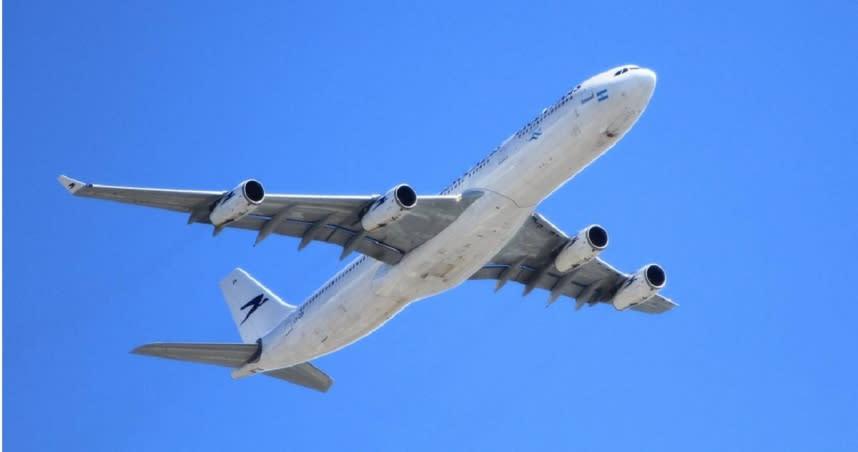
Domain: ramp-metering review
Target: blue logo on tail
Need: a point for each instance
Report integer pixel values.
(253, 304)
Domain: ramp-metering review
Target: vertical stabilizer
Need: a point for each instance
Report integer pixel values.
(255, 309)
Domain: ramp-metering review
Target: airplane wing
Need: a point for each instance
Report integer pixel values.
(529, 260)
(331, 219)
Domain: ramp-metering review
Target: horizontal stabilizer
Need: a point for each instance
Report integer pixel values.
(234, 356)
(305, 374)
(228, 355)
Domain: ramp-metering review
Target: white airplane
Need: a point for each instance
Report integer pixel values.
(482, 226)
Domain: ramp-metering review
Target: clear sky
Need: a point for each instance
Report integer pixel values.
(738, 179)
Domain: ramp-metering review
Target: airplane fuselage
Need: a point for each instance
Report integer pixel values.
(512, 180)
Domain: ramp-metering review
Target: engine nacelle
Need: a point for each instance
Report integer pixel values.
(389, 207)
(582, 248)
(639, 287)
(237, 203)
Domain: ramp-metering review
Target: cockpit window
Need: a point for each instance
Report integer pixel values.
(624, 70)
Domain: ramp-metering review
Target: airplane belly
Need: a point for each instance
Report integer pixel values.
(377, 292)
(456, 253)
(341, 318)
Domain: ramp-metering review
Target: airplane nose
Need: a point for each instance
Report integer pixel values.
(637, 87)
(647, 80)
(643, 83)
(633, 87)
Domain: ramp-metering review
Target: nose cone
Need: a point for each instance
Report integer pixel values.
(626, 92)
(638, 85)
(645, 79)
(631, 85)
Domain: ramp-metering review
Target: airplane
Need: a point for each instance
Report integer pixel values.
(482, 226)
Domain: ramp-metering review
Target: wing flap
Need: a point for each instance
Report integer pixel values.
(332, 232)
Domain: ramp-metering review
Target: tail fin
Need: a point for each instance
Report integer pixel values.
(255, 309)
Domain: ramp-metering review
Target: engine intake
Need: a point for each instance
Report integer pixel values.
(253, 191)
(582, 248)
(389, 207)
(237, 203)
(655, 276)
(641, 286)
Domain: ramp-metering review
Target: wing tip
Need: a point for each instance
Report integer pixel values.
(72, 185)
(326, 386)
(145, 349)
(323, 386)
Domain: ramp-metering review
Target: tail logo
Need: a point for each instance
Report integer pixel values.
(253, 304)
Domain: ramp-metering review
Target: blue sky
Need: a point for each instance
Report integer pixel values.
(738, 179)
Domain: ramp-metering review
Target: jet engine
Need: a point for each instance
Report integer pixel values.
(237, 203)
(639, 287)
(583, 247)
(389, 207)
